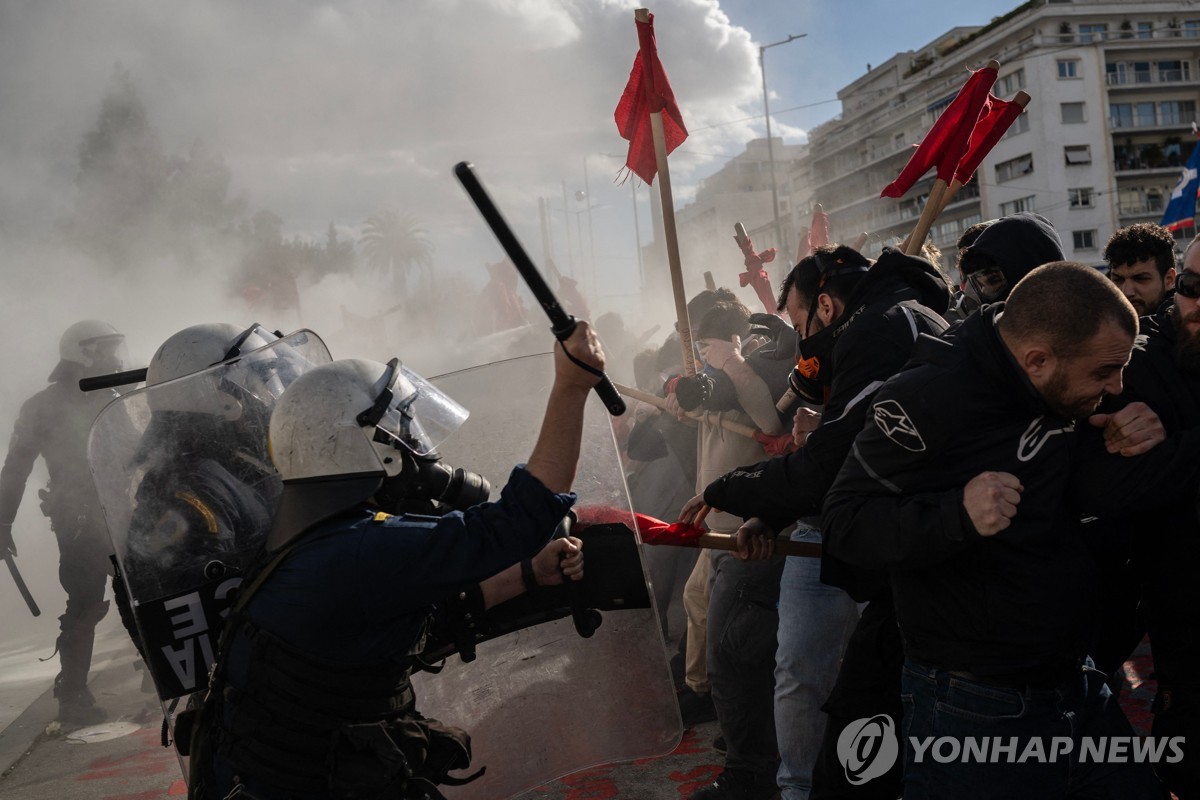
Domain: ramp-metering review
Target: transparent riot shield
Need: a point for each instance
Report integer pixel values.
(543, 702)
(187, 487)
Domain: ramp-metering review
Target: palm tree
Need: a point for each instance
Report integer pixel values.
(394, 244)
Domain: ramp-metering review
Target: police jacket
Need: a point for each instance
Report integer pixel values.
(1166, 540)
(54, 424)
(351, 601)
(1017, 605)
(896, 301)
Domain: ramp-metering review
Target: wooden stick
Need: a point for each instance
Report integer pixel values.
(707, 417)
(668, 212)
(860, 242)
(929, 213)
(710, 282)
(783, 546)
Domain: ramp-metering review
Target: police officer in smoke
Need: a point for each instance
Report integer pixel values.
(311, 695)
(54, 424)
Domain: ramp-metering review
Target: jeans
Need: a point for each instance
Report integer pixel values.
(742, 621)
(940, 704)
(814, 621)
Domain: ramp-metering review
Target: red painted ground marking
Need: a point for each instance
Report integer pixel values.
(177, 788)
(694, 779)
(150, 761)
(153, 794)
(593, 784)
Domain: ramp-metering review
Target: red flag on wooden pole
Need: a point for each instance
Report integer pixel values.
(646, 92)
(996, 118)
(947, 140)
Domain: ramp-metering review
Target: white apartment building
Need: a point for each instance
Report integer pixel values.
(1114, 93)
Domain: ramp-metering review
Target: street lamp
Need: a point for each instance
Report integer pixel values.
(762, 66)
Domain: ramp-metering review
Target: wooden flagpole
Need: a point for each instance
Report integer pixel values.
(668, 212)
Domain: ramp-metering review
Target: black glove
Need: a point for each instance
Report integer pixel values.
(779, 331)
(8, 547)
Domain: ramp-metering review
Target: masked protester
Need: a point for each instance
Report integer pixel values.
(54, 424)
(311, 694)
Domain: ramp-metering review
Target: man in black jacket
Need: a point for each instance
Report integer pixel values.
(968, 484)
(1164, 373)
(858, 322)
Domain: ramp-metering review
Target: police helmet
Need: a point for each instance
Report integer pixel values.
(94, 345)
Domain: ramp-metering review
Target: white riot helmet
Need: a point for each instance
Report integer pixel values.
(95, 346)
(197, 348)
(342, 427)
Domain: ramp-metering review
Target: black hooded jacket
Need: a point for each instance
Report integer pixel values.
(1018, 605)
(1166, 539)
(1017, 244)
(899, 298)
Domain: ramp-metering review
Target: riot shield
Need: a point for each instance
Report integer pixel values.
(187, 487)
(543, 702)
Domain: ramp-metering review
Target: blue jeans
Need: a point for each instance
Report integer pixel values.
(814, 621)
(940, 704)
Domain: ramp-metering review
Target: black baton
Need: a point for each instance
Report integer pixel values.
(110, 381)
(586, 620)
(562, 324)
(21, 587)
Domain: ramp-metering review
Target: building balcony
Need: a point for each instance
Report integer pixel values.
(1149, 122)
(1152, 208)
(1142, 79)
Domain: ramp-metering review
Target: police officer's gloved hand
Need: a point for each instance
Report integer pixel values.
(8, 547)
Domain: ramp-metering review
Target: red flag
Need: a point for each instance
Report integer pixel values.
(997, 116)
(755, 275)
(646, 92)
(652, 531)
(947, 140)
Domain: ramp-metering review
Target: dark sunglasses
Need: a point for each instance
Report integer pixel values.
(1188, 284)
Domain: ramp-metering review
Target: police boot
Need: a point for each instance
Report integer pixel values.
(736, 784)
(76, 706)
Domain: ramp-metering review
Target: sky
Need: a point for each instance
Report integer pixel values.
(332, 112)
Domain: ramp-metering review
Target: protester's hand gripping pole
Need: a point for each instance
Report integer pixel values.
(708, 416)
(562, 324)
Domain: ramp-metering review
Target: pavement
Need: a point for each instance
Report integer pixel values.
(122, 759)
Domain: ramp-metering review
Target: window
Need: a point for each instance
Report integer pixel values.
(1121, 115)
(1173, 71)
(1116, 74)
(1145, 30)
(1011, 83)
(1017, 206)
(1084, 240)
(1095, 32)
(1072, 113)
(1080, 198)
(1020, 125)
(1068, 69)
(1175, 112)
(1143, 115)
(1014, 168)
(1078, 154)
(1191, 28)
(1141, 71)
(898, 141)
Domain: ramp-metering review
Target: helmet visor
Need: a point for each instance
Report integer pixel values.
(104, 354)
(987, 285)
(417, 414)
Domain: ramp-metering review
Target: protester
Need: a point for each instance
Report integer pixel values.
(968, 485)
(1164, 373)
(1141, 263)
(858, 322)
(54, 424)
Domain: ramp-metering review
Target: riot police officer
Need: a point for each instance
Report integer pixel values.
(311, 694)
(54, 424)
